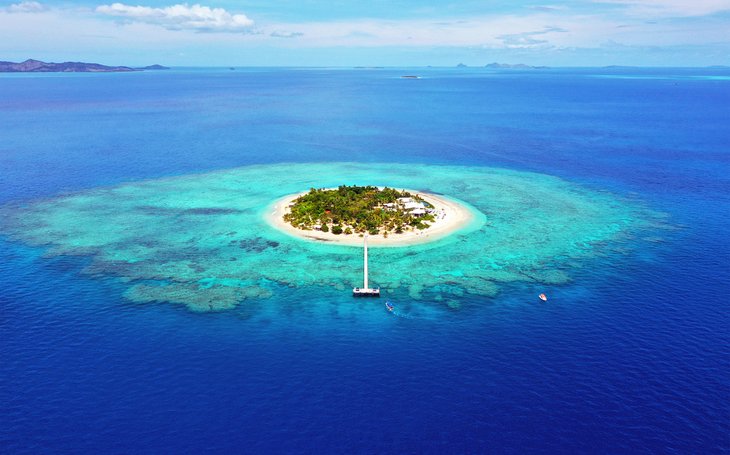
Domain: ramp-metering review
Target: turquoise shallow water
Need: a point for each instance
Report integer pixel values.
(203, 240)
(609, 194)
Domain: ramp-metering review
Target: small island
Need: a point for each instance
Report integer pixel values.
(37, 66)
(389, 216)
(516, 66)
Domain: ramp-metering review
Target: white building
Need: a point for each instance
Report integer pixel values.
(414, 205)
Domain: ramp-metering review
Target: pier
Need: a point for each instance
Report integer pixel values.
(365, 290)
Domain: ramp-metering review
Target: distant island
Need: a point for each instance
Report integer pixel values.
(505, 66)
(37, 66)
(154, 68)
(518, 66)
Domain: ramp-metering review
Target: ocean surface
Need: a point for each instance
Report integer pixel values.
(630, 354)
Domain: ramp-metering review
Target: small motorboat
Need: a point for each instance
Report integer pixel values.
(389, 306)
(543, 297)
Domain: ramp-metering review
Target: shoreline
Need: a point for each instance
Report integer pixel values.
(456, 217)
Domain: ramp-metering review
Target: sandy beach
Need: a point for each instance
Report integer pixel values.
(451, 216)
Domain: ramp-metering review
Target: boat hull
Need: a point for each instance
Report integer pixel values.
(362, 292)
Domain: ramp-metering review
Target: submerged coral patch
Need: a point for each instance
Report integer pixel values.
(203, 241)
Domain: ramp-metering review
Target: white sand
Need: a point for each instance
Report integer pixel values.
(450, 217)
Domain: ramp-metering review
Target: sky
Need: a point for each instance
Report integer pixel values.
(369, 33)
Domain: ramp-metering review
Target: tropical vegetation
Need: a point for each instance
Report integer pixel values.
(356, 209)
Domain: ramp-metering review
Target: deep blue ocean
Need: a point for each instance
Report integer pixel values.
(632, 356)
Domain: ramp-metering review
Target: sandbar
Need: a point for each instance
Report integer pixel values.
(451, 217)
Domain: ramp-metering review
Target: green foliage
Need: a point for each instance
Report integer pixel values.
(351, 209)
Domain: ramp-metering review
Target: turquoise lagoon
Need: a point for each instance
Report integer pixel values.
(202, 240)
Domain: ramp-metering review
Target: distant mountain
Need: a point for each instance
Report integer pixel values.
(518, 66)
(461, 65)
(154, 68)
(36, 66)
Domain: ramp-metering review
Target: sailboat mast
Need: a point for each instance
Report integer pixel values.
(366, 261)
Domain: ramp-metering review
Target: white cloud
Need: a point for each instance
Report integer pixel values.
(529, 39)
(85, 34)
(280, 34)
(181, 17)
(491, 31)
(26, 7)
(672, 8)
(504, 32)
(547, 8)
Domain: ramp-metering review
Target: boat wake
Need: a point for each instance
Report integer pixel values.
(403, 315)
(392, 310)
